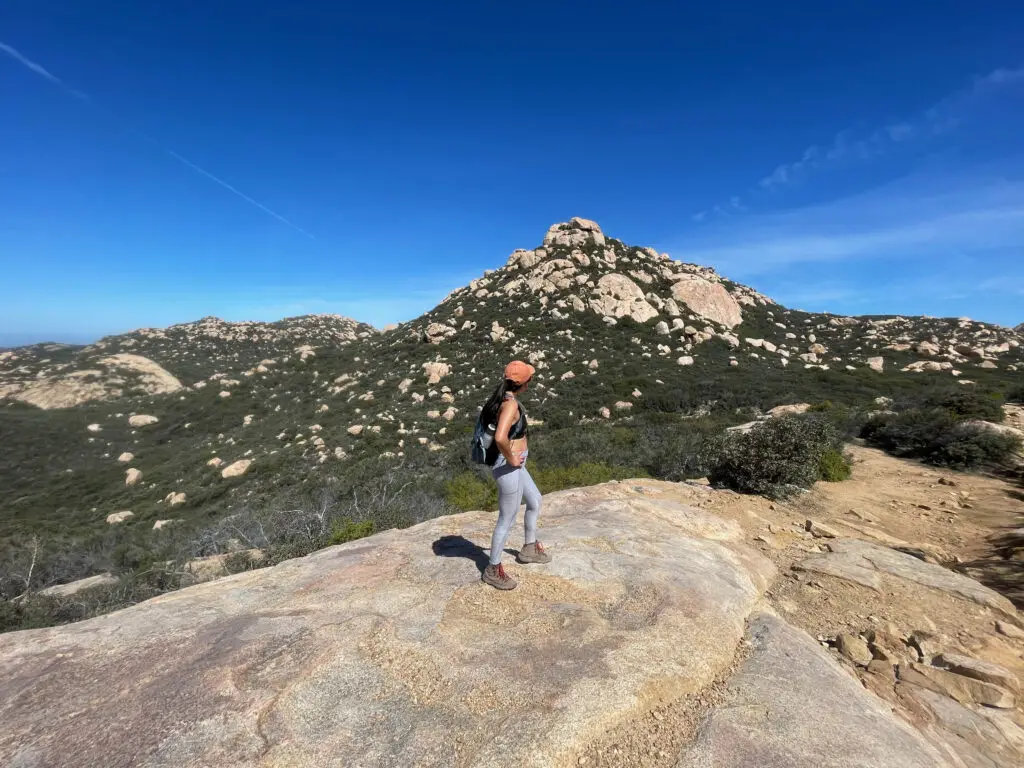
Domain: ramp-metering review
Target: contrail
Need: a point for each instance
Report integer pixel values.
(46, 74)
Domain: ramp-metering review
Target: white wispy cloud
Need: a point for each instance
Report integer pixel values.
(850, 146)
(904, 220)
(40, 70)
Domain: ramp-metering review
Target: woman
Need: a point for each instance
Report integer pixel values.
(510, 473)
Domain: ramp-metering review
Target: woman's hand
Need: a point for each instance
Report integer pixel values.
(515, 460)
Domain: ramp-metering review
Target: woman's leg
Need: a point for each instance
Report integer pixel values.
(531, 495)
(510, 494)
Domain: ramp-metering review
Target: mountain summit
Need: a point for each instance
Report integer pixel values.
(674, 309)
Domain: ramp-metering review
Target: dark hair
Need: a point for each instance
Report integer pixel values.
(493, 404)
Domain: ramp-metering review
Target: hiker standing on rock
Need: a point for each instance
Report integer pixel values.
(504, 417)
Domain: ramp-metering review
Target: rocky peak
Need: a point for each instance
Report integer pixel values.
(578, 268)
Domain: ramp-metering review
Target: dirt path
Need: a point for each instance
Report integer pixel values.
(958, 520)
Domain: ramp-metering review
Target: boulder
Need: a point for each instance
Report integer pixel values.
(119, 517)
(435, 333)
(788, 410)
(820, 530)
(889, 648)
(708, 299)
(125, 457)
(435, 372)
(1007, 629)
(854, 648)
(142, 420)
(236, 469)
(876, 364)
(990, 426)
(585, 224)
(499, 333)
(685, 360)
(616, 296)
(339, 658)
(132, 476)
(966, 690)
(74, 587)
(985, 671)
(175, 499)
(94, 428)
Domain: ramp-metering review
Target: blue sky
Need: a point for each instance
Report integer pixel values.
(162, 161)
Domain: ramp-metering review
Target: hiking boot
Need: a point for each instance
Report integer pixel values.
(533, 553)
(495, 576)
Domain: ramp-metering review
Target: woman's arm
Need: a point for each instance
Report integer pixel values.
(507, 416)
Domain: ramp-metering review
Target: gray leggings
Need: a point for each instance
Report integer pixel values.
(514, 486)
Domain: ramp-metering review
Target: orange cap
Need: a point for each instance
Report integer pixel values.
(519, 372)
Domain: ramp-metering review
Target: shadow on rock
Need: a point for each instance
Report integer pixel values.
(460, 546)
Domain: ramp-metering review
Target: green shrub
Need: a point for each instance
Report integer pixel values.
(348, 530)
(551, 479)
(823, 407)
(833, 467)
(938, 437)
(468, 491)
(775, 459)
(965, 403)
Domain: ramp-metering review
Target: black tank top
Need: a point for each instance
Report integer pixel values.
(520, 429)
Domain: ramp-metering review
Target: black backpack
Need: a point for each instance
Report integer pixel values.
(483, 449)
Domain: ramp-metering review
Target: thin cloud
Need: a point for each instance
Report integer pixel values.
(41, 71)
(902, 221)
(47, 75)
(938, 119)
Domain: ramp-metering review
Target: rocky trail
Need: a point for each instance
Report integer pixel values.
(677, 626)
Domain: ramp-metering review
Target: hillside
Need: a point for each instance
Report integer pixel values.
(678, 626)
(218, 437)
(156, 360)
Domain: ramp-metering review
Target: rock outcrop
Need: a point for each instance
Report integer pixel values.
(618, 296)
(866, 563)
(791, 705)
(341, 658)
(708, 299)
(317, 660)
(108, 379)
